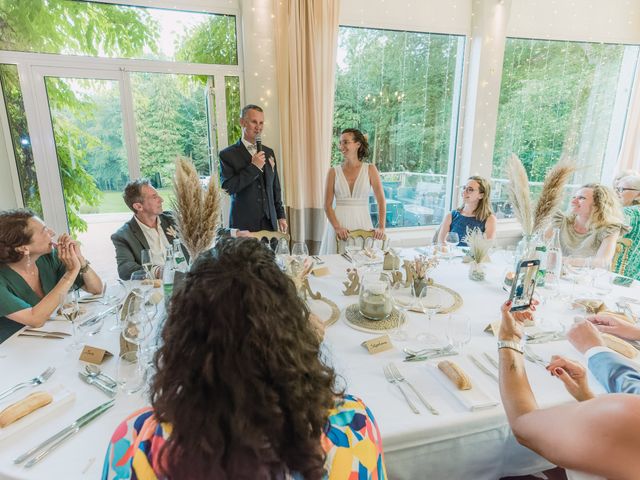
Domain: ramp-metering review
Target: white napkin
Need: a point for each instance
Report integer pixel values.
(474, 399)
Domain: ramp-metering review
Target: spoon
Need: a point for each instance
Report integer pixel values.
(95, 372)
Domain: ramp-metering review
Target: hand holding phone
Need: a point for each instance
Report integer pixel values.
(524, 285)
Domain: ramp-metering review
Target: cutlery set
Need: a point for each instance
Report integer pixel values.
(428, 353)
(544, 337)
(40, 379)
(483, 368)
(94, 376)
(347, 257)
(393, 376)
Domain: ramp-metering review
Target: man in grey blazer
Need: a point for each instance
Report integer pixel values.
(150, 228)
(251, 178)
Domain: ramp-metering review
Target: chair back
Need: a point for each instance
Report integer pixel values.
(270, 238)
(621, 255)
(363, 238)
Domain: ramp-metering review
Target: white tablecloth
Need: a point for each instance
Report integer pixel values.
(457, 444)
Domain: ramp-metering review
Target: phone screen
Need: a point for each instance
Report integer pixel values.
(524, 284)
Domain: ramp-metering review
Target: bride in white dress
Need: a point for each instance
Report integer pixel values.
(349, 184)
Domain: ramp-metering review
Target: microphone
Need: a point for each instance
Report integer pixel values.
(258, 143)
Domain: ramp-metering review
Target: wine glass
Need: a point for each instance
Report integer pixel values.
(299, 252)
(430, 301)
(404, 300)
(459, 331)
(282, 253)
(145, 260)
(353, 249)
(452, 239)
(142, 282)
(70, 310)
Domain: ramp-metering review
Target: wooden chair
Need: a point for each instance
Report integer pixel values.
(621, 255)
(363, 238)
(270, 238)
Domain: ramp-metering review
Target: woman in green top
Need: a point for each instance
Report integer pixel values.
(628, 189)
(34, 275)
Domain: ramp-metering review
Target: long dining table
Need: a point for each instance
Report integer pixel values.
(458, 443)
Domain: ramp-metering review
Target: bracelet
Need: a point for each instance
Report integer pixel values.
(85, 269)
(510, 344)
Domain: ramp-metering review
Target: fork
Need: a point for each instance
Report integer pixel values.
(398, 376)
(534, 357)
(392, 379)
(43, 377)
(318, 260)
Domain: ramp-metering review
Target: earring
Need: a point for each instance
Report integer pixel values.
(28, 260)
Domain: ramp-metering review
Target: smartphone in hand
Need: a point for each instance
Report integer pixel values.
(524, 285)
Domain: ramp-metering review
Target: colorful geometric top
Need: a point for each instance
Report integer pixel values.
(351, 440)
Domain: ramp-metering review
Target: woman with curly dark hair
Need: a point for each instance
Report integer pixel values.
(35, 271)
(241, 390)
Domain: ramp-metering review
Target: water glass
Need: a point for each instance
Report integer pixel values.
(452, 239)
(129, 373)
(459, 330)
(70, 310)
(145, 260)
(430, 301)
(403, 300)
(282, 253)
(299, 252)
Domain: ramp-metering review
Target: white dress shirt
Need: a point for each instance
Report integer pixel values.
(157, 241)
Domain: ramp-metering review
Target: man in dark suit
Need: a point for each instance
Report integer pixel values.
(251, 178)
(149, 229)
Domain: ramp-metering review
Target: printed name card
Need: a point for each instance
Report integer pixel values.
(320, 271)
(378, 344)
(94, 355)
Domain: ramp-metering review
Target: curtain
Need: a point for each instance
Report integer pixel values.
(306, 45)
(629, 158)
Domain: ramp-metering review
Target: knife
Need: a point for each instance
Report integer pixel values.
(484, 369)
(429, 356)
(32, 330)
(94, 380)
(44, 335)
(40, 451)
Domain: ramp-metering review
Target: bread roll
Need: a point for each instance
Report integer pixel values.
(24, 407)
(619, 345)
(455, 374)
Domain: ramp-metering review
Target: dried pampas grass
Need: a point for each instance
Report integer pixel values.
(519, 194)
(552, 191)
(479, 245)
(197, 211)
(550, 198)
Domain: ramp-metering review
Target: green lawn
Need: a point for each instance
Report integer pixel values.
(112, 202)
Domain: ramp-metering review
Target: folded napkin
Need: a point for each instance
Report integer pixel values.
(473, 399)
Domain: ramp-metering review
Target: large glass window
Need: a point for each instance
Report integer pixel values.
(20, 139)
(559, 99)
(72, 27)
(400, 88)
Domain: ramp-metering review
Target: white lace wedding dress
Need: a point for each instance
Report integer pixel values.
(351, 208)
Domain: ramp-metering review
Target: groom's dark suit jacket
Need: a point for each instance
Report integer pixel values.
(254, 194)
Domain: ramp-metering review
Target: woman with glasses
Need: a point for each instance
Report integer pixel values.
(475, 212)
(628, 189)
(242, 390)
(35, 272)
(590, 229)
(349, 185)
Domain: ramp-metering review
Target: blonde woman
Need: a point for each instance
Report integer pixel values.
(475, 212)
(590, 229)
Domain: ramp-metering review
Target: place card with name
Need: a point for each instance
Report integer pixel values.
(378, 344)
(94, 355)
(320, 271)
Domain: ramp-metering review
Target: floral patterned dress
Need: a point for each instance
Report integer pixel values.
(351, 441)
(632, 267)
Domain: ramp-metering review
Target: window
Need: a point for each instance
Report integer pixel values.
(105, 30)
(558, 99)
(401, 89)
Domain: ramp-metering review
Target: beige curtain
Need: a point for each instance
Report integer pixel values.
(306, 45)
(629, 158)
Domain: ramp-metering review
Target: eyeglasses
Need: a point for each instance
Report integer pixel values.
(622, 189)
(345, 142)
(468, 189)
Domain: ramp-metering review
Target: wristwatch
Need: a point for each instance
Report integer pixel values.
(510, 344)
(84, 269)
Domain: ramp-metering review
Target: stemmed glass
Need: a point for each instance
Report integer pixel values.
(282, 253)
(145, 260)
(142, 281)
(300, 253)
(430, 300)
(404, 300)
(70, 310)
(452, 239)
(353, 249)
(136, 329)
(459, 330)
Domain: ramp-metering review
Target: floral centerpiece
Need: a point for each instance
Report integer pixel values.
(419, 269)
(479, 246)
(197, 210)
